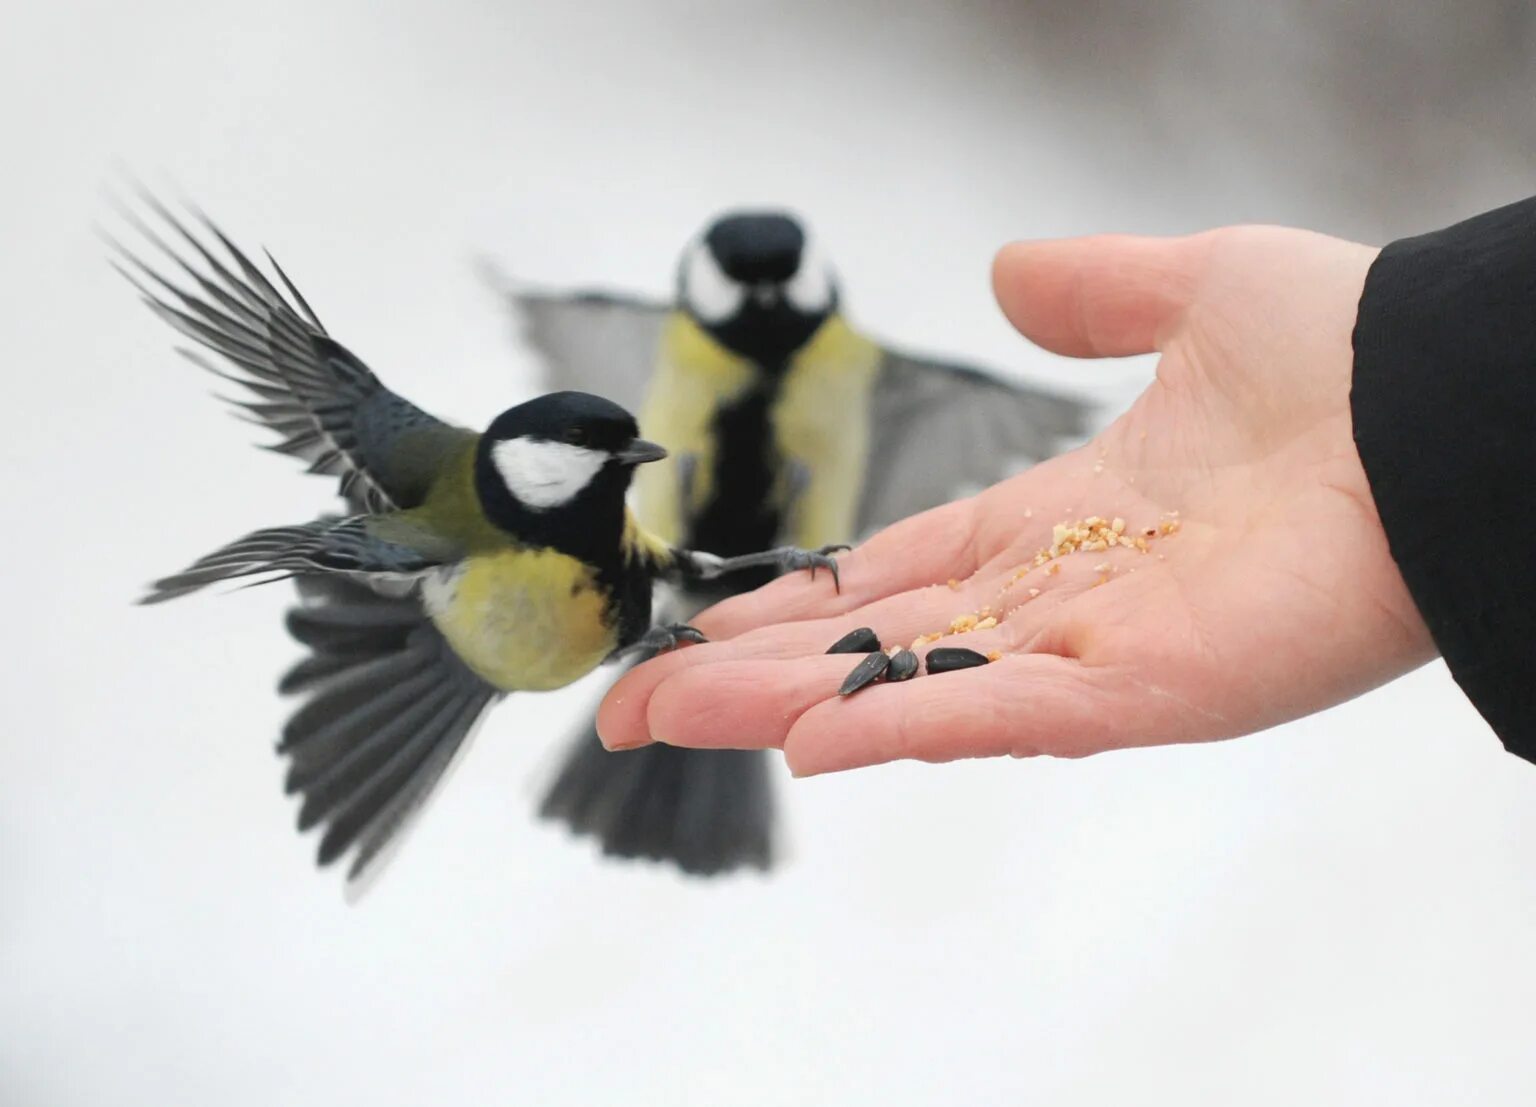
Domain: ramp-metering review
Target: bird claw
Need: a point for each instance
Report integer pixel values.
(664, 639)
(793, 558)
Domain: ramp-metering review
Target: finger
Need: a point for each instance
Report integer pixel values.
(622, 718)
(754, 704)
(1020, 706)
(741, 704)
(1102, 296)
(928, 548)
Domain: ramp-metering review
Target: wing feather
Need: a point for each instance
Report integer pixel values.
(326, 406)
(349, 547)
(588, 341)
(941, 430)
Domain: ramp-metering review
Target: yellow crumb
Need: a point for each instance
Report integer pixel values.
(1094, 534)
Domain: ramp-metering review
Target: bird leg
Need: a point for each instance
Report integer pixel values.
(706, 566)
(660, 639)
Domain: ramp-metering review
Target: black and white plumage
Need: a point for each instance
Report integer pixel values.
(786, 424)
(471, 565)
(990, 426)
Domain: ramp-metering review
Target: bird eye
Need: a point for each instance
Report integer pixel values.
(576, 436)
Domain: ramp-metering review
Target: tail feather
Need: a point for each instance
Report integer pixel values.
(369, 687)
(375, 791)
(706, 811)
(314, 670)
(332, 626)
(389, 706)
(326, 753)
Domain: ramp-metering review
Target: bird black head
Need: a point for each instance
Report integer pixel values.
(557, 466)
(755, 281)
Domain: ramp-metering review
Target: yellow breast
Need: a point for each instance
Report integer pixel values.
(524, 620)
(821, 422)
(695, 376)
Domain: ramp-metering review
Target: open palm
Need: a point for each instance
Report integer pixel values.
(1252, 583)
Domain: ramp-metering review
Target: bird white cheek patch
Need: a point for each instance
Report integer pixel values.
(542, 474)
(810, 289)
(712, 295)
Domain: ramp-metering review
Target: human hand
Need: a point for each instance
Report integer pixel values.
(1273, 597)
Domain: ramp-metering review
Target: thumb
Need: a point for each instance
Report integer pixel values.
(1103, 296)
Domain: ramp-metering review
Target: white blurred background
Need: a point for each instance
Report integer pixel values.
(1341, 911)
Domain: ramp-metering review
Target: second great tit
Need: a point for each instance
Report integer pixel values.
(468, 566)
(785, 424)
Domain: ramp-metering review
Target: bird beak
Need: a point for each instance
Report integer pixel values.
(640, 451)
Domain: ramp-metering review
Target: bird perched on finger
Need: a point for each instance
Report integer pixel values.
(468, 566)
(785, 424)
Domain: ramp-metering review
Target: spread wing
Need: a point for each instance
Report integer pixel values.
(377, 550)
(327, 406)
(940, 430)
(599, 342)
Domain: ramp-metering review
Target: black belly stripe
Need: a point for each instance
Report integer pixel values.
(740, 517)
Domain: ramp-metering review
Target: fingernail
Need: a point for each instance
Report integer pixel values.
(620, 747)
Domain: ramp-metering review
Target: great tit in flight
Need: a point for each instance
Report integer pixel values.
(468, 565)
(784, 424)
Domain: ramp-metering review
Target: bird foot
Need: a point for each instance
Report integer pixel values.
(663, 639)
(792, 558)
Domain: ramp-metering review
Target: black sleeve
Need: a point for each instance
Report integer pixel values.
(1444, 404)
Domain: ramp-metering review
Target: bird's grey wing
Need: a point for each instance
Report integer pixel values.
(386, 554)
(939, 430)
(328, 407)
(589, 341)
(389, 709)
